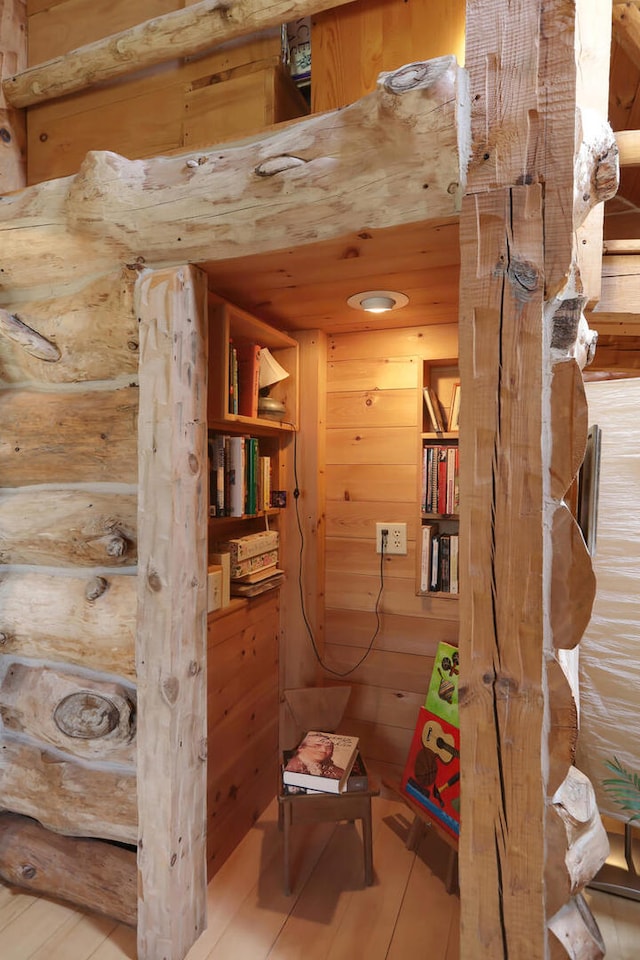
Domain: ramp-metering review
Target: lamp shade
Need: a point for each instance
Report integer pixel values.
(270, 370)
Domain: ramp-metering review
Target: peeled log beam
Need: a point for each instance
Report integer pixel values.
(91, 874)
(181, 33)
(81, 800)
(577, 932)
(563, 723)
(597, 174)
(389, 159)
(68, 528)
(569, 424)
(82, 436)
(89, 717)
(54, 618)
(573, 582)
(13, 44)
(578, 843)
(94, 332)
(628, 147)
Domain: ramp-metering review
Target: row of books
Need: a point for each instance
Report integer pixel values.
(438, 560)
(324, 763)
(440, 479)
(244, 378)
(240, 477)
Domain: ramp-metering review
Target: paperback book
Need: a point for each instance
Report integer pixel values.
(321, 761)
(432, 771)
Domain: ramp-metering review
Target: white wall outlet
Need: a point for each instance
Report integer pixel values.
(396, 541)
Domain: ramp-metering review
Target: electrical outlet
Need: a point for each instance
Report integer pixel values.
(396, 537)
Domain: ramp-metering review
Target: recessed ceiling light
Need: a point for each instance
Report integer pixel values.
(378, 301)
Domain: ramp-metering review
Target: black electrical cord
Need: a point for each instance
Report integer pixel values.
(335, 673)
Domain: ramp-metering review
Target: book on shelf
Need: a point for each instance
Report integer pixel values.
(440, 479)
(259, 575)
(250, 545)
(236, 470)
(454, 586)
(429, 530)
(233, 378)
(454, 416)
(434, 409)
(248, 355)
(321, 761)
(357, 781)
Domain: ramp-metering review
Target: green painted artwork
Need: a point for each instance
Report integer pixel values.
(442, 696)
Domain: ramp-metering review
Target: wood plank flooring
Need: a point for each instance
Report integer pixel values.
(329, 916)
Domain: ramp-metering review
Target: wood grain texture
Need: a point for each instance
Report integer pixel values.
(501, 625)
(45, 785)
(88, 873)
(93, 626)
(115, 211)
(87, 717)
(569, 426)
(92, 436)
(172, 602)
(94, 330)
(13, 43)
(68, 528)
(573, 582)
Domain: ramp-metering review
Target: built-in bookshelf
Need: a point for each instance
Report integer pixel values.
(439, 490)
(250, 425)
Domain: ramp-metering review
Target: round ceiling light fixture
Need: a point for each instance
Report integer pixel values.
(378, 301)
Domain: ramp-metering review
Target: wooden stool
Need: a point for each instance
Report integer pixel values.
(316, 807)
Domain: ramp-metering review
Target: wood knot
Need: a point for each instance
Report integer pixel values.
(524, 277)
(29, 339)
(418, 74)
(28, 871)
(275, 165)
(86, 716)
(154, 581)
(170, 689)
(116, 546)
(95, 588)
(194, 463)
(194, 668)
(203, 749)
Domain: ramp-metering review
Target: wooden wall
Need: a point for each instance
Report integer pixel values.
(242, 722)
(179, 105)
(372, 441)
(68, 471)
(351, 45)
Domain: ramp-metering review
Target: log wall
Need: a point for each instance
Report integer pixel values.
(69, 396)
(374, 402)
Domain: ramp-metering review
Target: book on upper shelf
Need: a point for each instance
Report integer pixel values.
(434, 409)
(357, 781)
(248, 359)
(454, 416)
(321, 761)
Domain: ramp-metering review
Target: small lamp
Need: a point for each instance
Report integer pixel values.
(378, 301)
(271, 372)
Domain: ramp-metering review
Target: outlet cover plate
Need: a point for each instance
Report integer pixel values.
(396, 538)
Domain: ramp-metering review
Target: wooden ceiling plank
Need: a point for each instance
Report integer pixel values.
(180, 33)
(626, 29)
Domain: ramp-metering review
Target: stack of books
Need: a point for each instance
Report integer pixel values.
(240, 477)
(324, 763)
(253, 563)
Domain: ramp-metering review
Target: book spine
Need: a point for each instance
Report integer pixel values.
(425, 558)
(236, 476)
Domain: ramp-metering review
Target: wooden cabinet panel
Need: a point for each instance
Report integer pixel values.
(353, 44)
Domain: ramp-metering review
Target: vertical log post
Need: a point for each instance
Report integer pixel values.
(519, 225)
(171, 640)
(13, 128)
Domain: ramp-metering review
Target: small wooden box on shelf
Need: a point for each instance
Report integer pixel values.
(438, 485)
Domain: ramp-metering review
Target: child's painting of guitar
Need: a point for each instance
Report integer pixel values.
(443, 744)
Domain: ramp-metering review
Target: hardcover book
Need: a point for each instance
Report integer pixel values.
(357, 781)
(248, 378)
(432, 771)
(242, 568)
(321, 761)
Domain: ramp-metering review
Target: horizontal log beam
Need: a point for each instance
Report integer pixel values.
(91, 874)
(181, 33)
(628, 142)
(390, 159)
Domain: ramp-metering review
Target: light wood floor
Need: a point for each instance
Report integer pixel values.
(330, 915)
